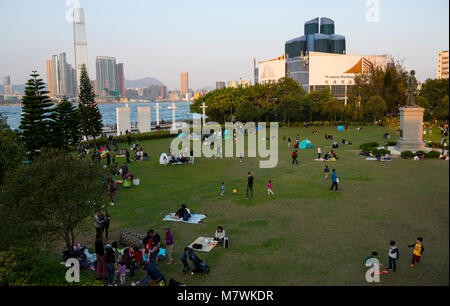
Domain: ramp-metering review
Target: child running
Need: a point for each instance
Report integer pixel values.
(326, 171)
(418, 250)
(269, 188)
(222, 189)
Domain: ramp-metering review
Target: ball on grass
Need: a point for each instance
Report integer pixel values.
(234, 191)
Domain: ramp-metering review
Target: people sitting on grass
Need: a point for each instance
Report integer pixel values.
(345, 142)
(152, 276)
(443, 156)
(328, 137)
(182, 214)
(315, 132)
(386, 157)
(219, 236)
(419, 156)
(335, 145)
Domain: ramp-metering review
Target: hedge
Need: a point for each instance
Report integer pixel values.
(123, 138)
(431, 154)
(369, 145)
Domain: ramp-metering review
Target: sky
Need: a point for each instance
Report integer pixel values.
(213, 40)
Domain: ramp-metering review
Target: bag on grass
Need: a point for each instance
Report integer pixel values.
(197, 246)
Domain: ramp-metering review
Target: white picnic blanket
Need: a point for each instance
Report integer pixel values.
(207, 244)
(195, 218)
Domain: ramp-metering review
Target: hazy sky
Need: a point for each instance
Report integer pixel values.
(214, 40)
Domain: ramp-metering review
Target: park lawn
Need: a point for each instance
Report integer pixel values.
(303, 235)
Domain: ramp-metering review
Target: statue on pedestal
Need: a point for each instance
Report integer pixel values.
(412, 90)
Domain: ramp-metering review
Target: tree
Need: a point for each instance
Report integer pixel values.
(434, 91)
(441, 110)
(12, 151)
(50, 200)
(90, 116)
(312, 103)
(332, 109)
(390, 84)
(247, 112)
(375, 106)
(289, 94)
(36, 115)
(67, 127)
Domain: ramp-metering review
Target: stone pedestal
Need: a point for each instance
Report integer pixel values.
(123, 120)
(144, 119)
(411, 129)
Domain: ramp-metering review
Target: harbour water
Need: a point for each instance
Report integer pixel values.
(108, 111)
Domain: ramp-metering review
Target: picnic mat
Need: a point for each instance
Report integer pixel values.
(207, 244)
(195, 219)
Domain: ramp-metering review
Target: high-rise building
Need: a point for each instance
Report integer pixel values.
(271, 70)
(7, 86)
(232, 84)
(245, 83)
(184, 89)
(298, 48)
(60, 77)
(50, 78)
(220, 85)
(120, 80)
(56, 75)
(442, 65)
(106, 76)
(80, 42)
(63, 75)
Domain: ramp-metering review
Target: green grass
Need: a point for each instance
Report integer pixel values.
(304, 235)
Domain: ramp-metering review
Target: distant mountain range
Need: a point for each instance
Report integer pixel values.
(141, 83)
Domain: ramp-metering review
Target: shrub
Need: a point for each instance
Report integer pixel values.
(408, 154)
(24, 267)
(369, 145)
(123, 138)
(432, 154)
(392, 143)
(381, 151)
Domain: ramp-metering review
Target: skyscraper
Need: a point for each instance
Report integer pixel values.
(56, 75)
(442, 66)
(106, 75)
(220, 85)
(63, 75)
(60, 77)
(50, 78)
(120, 80)
(7, 86)
(80, 41)
(184, 89)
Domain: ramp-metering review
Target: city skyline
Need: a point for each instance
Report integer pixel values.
(235, 49)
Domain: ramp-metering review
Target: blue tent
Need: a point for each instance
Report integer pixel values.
(305, 144)
(341, 128)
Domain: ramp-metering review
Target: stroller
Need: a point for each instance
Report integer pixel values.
(200, 265)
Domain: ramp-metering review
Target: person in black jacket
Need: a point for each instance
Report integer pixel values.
(105, 224)
(250, 185)
(109, 263)
(100, 253)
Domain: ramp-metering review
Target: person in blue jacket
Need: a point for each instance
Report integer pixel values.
(334, 180)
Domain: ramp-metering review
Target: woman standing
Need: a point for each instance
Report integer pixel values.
(100, 252)
(169, 244)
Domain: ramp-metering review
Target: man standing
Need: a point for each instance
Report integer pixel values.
(319, 152)
(294, 157)
(127, 154)
(250, 185)
(98, 223)
(334, 180)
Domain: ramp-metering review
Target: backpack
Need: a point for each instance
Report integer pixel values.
(186, 217)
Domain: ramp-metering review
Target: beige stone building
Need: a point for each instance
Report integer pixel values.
(442, 65)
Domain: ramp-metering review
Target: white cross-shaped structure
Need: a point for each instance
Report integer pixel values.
(173, 108)
(157, 114)
(204, 107)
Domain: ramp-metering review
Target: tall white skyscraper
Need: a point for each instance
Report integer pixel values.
(80, 41)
